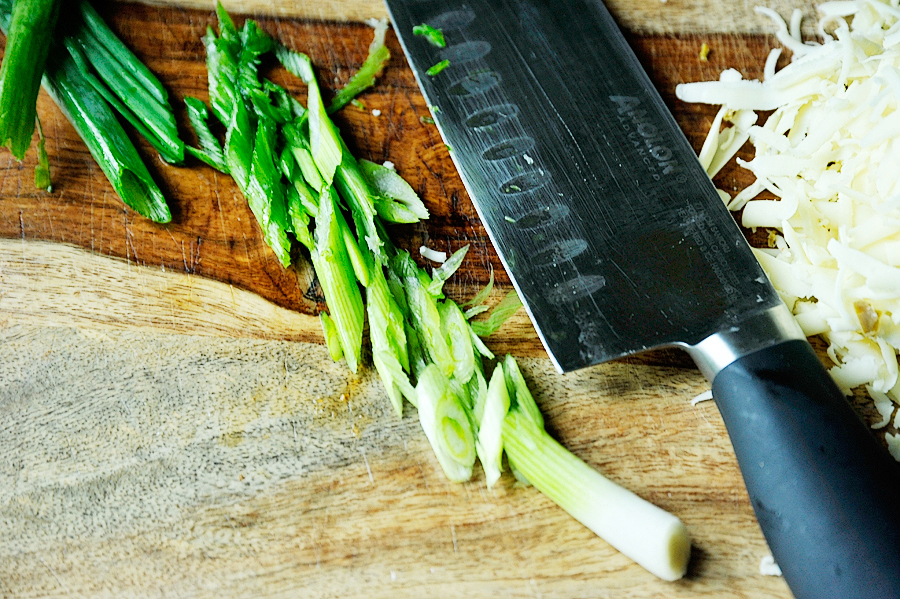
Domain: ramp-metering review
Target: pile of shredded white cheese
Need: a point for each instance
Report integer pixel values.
(830, 153)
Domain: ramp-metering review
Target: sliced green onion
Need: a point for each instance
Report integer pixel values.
(523, 401)
(342, 294)
(435, 69)
(265, 192)
(508, 306)
(352, 186)
(482, 295)
(395, 201)
(137, 71)
(222, 73)
(254, 43)
(324, 139)
(445, 271)
(652, 537)
(28, 41)
(127, 84)
(42, 169)
(432, 34)
(446, 425)
(425, 314)
(490, 426)
(456, 332)
(239, 138)
(210, 150)
(364, 78)
(389, 346)
(332, 339)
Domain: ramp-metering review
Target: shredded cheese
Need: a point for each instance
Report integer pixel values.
(830, 154)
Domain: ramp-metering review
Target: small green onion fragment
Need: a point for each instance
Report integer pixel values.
(508, 306)
(432, 34)
(426, 120)
(336, 277)
(357, 103)
(445, 271)
(332, 340)
(42, 168)
(210, 150)
(395, 200)
(435, 69)
(371, 68)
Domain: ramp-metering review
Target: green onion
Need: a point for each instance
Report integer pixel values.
(445, 271)
(652, 537)
(28, 41)
(332, 338)
(138, 71)
(490, 415)
(126, 84)
(210, 150)
(518, 390)
(395, 200)
(432, 34)
(364, 78)
(388, 335)
(109, 145)
(437, 68)
(42, 170)
(446, 424)
(455, 329)
(265, 192)
(332, 265)
(508, 306)
(425, 314)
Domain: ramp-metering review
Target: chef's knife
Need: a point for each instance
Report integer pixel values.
(617, 242)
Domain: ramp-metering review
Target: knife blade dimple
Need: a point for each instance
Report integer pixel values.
(610, 230)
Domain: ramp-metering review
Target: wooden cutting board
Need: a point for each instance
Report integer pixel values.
(171, 424)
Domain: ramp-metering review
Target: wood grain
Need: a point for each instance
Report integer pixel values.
(208, 466)
(171, 425)
(642, 16)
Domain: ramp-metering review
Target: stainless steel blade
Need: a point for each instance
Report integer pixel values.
(611, 231)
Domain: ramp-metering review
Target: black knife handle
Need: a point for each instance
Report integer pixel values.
(826, 493)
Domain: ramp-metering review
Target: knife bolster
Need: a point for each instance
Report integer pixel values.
(764, 329)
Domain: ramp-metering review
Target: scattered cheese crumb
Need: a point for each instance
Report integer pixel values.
(376, 112)
(389, 164)
(768, 567)
(704, 52)
(433, 255)
(528, 158)
(705, 396)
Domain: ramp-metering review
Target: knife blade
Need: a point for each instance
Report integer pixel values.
(617, 242)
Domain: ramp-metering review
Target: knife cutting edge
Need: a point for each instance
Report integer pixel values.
(617, 242)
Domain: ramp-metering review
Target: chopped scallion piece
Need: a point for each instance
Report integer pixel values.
(508, 306)
(437, 68)
(364, 78)
(42, 169)
(432, 34)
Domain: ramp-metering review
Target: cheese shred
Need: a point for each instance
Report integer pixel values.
(829, 153)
